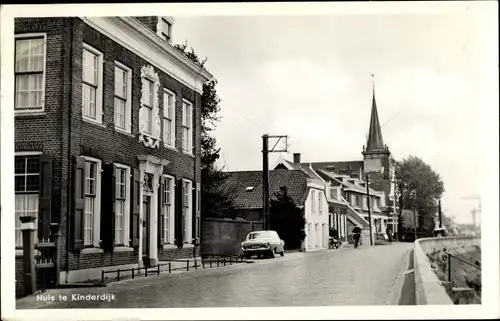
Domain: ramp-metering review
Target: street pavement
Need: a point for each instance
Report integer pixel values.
(363, 276)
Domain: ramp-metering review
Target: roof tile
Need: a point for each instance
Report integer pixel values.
(237, 182)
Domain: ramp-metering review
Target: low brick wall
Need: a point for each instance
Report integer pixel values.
(224, 236)
(428, 288)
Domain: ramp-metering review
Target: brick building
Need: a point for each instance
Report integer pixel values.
(107, 141)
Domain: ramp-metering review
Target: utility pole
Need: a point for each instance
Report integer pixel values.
(369, 210)
(440, 215)
(265, 179)
(415, 214)
(400, 218)
(265, 173)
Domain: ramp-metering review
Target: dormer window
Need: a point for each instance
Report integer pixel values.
(164, 28)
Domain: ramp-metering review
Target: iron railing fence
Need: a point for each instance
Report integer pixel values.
(203, 263)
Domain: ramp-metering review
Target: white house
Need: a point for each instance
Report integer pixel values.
(315, 206)
(316, 215)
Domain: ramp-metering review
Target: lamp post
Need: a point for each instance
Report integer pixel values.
(369, 210)
(400, 218)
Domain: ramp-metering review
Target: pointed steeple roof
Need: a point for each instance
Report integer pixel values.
(375, 141)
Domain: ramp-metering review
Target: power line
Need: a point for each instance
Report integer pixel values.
(391, 118)
(247, 119)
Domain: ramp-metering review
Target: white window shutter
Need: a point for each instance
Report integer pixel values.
(157, 133)
(142, 124)
(128, 114)
(191, 116)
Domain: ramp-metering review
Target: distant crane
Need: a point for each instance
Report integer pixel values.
(475, 210)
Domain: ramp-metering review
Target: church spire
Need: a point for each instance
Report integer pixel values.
(374, 141)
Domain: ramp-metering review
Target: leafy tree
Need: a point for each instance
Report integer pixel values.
(420, 189)
(216, 200)
(287, 219)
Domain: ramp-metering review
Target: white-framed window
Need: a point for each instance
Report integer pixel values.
(164, 28)
(92, 84)
(354, 200)
(332, 193)
(149, 104)
(169, 208)
(168, 117)
(313, 199)
(187, 126)
(365, 201)
(27, 187)
(122, 204)
(92, 195)
(123, 97)
(320, 202)
(29, 72)
(188, 210)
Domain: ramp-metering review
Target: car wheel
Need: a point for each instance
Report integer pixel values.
(247, 255)
(282, 253)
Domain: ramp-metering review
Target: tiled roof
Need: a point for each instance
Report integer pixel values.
(354, 216)
(303, 167)
(360, 189)
(353, 167)
(347, 185)
(243, 197)
(334, 200)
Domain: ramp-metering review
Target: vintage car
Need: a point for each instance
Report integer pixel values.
(263, 243)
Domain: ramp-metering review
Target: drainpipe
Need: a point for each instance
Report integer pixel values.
(70, 113)
(193, 211)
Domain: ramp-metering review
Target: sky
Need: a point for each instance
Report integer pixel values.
(309, 77)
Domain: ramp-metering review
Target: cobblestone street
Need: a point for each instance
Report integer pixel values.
(364, 276)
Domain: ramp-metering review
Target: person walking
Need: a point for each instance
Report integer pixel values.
(356, 231)
(389, 234)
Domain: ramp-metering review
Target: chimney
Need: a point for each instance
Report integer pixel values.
(296, 158)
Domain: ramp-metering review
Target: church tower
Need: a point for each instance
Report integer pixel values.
(376, 155)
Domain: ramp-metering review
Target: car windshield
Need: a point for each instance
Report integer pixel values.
(259, 235)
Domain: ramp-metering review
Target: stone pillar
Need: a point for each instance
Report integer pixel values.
(153, 220)
(141, 214)
(29, 272)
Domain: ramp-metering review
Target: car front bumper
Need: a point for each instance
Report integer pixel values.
(256, 250)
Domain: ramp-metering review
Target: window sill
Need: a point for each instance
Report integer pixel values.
(188, 153)
(169, 246)
(124, 132)
(167, 146)
(91, 250)
(93, 122)
(28, 114)
(123, 249)
(20, 252)
(148, 135)
(188, 245)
